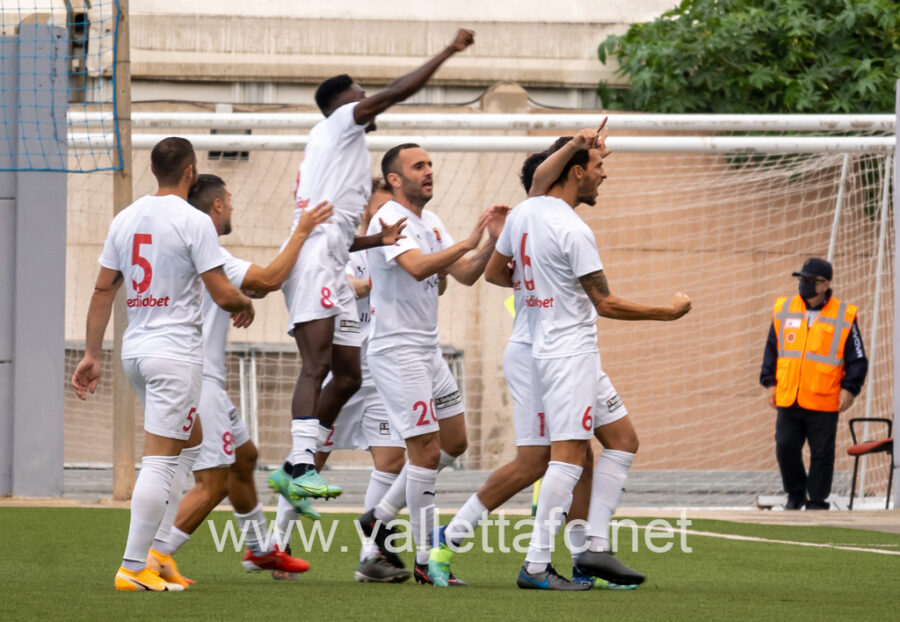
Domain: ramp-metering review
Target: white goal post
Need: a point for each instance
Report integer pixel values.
(725, 218)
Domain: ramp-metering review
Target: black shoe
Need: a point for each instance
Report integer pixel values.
(817, 505)
(604, 564)
(367, 522)
(794, 502)
(422, 576)
(549, 579)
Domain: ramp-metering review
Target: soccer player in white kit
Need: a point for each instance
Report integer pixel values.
(362, 424)
(412, 378)
(532, 439)
(162, 248)
(565, 290)
(220, 451)
(336, 168)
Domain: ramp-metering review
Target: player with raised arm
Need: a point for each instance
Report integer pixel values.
(531, 437)
(336, 167)
(362, 424)
(418, 390)
(165, 251)
(556, 249)
(224, 462)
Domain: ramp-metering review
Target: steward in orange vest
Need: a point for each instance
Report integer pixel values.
(813, 368)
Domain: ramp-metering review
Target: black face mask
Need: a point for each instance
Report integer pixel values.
(807, 290)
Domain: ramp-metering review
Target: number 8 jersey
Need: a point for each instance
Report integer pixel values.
(161, 245)
(552, 248)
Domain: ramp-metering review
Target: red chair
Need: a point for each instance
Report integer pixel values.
(865, 448)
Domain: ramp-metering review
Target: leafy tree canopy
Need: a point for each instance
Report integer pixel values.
(743, 56)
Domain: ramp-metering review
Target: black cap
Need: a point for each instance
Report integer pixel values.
(815, 267)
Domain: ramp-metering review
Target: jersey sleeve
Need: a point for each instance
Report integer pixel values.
(204, 244)
(109, 258)
(389, 215)
(235, 269)
(504, 242)
(341, 123)
(581, 250)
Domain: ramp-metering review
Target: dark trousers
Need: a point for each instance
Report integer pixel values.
(793, 427)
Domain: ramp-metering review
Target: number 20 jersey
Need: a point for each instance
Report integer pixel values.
(552, 247)
(161, 245)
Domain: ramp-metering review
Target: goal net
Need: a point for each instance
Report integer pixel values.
(726, 229)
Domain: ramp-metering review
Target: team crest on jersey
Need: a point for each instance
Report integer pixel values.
(437, 234)
(384, 428)
(613, 403)
(349, 326)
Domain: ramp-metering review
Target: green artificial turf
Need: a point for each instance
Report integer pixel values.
(60, 563)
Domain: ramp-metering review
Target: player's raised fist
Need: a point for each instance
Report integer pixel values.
(464, 38)
(681, 304)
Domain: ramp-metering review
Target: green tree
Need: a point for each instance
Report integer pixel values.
(743, 56)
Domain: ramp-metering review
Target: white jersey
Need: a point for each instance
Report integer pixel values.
(217, 321)
(336, 167)
(552, 248)
(358, 268)
(405, 310)
(521, 332)
(161, 245)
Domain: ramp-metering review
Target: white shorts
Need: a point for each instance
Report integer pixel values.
(362, 423)
(223, 429)
(578, 396)
(317, 287)
(416, 387)
(528, 412)
(169, 391)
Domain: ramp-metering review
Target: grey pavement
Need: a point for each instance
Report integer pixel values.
(648, 489)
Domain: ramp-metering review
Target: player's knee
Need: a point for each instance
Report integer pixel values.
(457, 447)
(246, 456)
(348, 383)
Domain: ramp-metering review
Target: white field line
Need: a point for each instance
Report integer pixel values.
(815, 545)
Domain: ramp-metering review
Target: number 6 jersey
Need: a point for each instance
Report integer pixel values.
(161, 245)
(552, 248)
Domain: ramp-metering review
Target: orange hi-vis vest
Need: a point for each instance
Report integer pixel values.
(811, 358)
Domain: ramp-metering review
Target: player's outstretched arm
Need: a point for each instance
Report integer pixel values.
(228, 297)
(467, 270)
(550, 169)
(87, 373)
(497, 270)
(607, 305)
(408, 85)
(388, 235)
(421, 266)
(270, 278)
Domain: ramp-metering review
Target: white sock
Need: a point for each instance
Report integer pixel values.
(148, 504)
(255, 521)
(394, 499)
(553, 502)
(176, 491)
(285, 519)
(420, 484)
(177, 539)
(610, 475)
(379, 483)
(304, 436)
(577, 539)
(466, 521)
(445, 461)
(323, 433)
